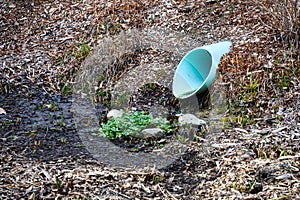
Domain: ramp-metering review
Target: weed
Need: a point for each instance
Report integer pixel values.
(7, 124)
(20, 94)
(152, 86)
(285, 83)
(157, 179)
(58, 184)
(246, 186)
(131, 124)
(274, 152)
(13, 137)
(32, 135)
(66, 90)
(252, 185)
(105, 27)
(116, 28)
(82, 51)
(100, 93)
(134, 149)
(59, 60)
(166, 59)
(53, 107)
(102, 96)
(63, 140)
(152, 20)
(61, 122)
(181, 138)
(252, 86)
(30, 93)
(18, 120)
(86, 89)
(279, 118)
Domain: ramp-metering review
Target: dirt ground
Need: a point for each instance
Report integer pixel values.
(256, 153)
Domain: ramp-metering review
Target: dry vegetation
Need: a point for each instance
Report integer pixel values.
(255, 156)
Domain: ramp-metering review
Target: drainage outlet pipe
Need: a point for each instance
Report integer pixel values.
(197, 69)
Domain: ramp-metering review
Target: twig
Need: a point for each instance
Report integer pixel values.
(166, 194)
(120, 194)
(288, 157)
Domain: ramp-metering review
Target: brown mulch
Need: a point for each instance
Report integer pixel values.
(256, 155)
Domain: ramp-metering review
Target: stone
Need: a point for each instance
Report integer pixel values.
(114, 113)
(152, 132)
(2, 111)
(190, 119)
(187, 134)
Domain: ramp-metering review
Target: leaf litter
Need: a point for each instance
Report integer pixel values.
(255, 156)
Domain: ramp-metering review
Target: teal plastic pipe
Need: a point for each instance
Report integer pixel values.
(197, 69)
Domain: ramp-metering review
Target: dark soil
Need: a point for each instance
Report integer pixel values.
(147, 96)
(39, 125)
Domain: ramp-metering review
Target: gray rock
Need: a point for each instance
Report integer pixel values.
(152, 132)
(187, 134)
(190, 119)
(2, 111)
(114, 113)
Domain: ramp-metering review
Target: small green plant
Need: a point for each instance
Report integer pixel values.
(100, 93)
(53, 106)
(285, 83)
(152, 20)
(82, 51)
(151, 85)
(252, 186)
(131, 124)
(32, 135)
(157, 179)
(66, 90)
(105, 27)
(181, 138)
(63, 140)
(7, 124)
(116, 28)
(271, 153)
(252, 86)
(61, 122)
(30, 93)
(58, 184)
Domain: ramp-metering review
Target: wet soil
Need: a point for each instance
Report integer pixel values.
(39, 125)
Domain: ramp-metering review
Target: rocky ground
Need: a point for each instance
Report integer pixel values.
(255, 155)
